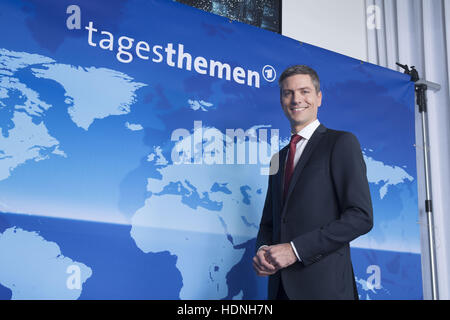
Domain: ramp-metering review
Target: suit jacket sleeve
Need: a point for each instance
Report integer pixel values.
(266, 225)
(348, 173)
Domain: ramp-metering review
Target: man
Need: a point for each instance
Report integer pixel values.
(316, 203)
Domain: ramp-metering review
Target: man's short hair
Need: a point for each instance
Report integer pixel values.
(301, 69)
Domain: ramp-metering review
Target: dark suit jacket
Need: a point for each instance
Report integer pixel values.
(327, 206)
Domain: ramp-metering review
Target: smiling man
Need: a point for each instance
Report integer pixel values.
(315, 205)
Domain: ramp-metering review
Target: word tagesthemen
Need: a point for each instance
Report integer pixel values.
(174, 56)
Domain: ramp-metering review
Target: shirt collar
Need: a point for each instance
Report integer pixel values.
(308, 131)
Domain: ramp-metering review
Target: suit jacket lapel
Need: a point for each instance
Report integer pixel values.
(280, 178)
(310, 146)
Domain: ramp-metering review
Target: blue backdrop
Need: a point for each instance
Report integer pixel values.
(135, 138)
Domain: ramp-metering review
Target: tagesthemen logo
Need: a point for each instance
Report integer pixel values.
(269, 73)
(174, 55)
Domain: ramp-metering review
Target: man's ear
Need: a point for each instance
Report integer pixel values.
(320, 98)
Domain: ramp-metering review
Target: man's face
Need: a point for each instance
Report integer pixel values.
(299, 100)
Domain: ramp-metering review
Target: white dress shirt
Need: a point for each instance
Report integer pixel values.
(306, 133)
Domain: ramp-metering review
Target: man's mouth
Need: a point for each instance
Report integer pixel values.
(298, 109)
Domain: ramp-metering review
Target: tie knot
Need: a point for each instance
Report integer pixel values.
(295, 139)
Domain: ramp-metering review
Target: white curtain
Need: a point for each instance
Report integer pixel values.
(417, 33)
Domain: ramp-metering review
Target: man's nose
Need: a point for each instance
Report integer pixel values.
(297, 98)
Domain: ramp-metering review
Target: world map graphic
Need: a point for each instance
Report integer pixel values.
(93, 205)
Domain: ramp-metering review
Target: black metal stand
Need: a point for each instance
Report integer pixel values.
(421, 88)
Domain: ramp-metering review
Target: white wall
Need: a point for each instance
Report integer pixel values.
(337, 25)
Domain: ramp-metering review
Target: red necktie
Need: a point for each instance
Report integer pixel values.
(290, 164)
